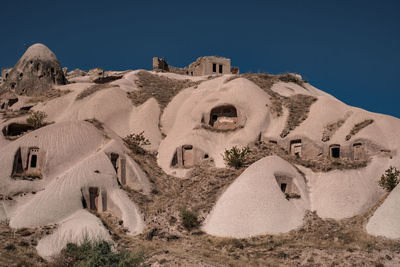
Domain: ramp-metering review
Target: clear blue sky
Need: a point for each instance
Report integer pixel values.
(350, 49)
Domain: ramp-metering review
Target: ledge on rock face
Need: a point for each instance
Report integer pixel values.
(36, 72)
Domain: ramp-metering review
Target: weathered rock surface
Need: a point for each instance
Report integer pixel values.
(36, 72)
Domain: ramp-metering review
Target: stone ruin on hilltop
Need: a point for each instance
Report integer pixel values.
(202, 66)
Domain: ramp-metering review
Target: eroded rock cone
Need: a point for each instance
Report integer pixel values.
(36, 72)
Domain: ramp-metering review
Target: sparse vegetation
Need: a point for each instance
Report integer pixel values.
(50, 94)
(358, 127)
(36, 119)
(390, 179)
(163, 89)
(298, 105)
(291, 78)
(136, 142)
(189, 218)
(236, 157)
(97, 254)
(92, 89)
(96, 123)
(331, 128)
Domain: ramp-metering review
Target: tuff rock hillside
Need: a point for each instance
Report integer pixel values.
(36, 71)
(306, 194)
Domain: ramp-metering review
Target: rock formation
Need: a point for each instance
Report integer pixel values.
(36, 72)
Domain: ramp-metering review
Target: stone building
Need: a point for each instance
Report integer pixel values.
(210, 65)
(202, 66)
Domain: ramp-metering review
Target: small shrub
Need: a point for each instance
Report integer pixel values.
(390, 179)
(235, 157)
(189, 218)
(97, 254)
(36, 119)
(136, 142)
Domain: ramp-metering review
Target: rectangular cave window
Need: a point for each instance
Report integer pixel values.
(335, 152)
(214, 67)
(283, 187)
(220, 68)
(33, 161)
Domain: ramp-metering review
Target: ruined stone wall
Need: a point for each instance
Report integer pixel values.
(204, 66)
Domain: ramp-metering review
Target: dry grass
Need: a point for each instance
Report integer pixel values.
(99, 125)
(163, 89)
(298, 105)
(330, 129)
(93, 89)
(317, 242)
(50, 94)
(358, 127)
(17, 246)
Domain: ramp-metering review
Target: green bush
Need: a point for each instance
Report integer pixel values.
(97, 254)
(36, 119)
(189, 218)
(390, 179)
(136, 142)
(235, 157)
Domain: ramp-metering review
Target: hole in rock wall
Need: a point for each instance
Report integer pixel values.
(335, 151)
(93, 197)
(83, 200)
(114, 158)
(119, 164)
(18, 168)
(287, 186)
(15, 129)
(33, 161)
(223, 117)
(97, 199)
(283, 187)
(187, 156)
(295, 148)
(12, 101)
(27, 163)
(174, 161)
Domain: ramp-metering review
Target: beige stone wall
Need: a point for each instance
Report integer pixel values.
(204, 66)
